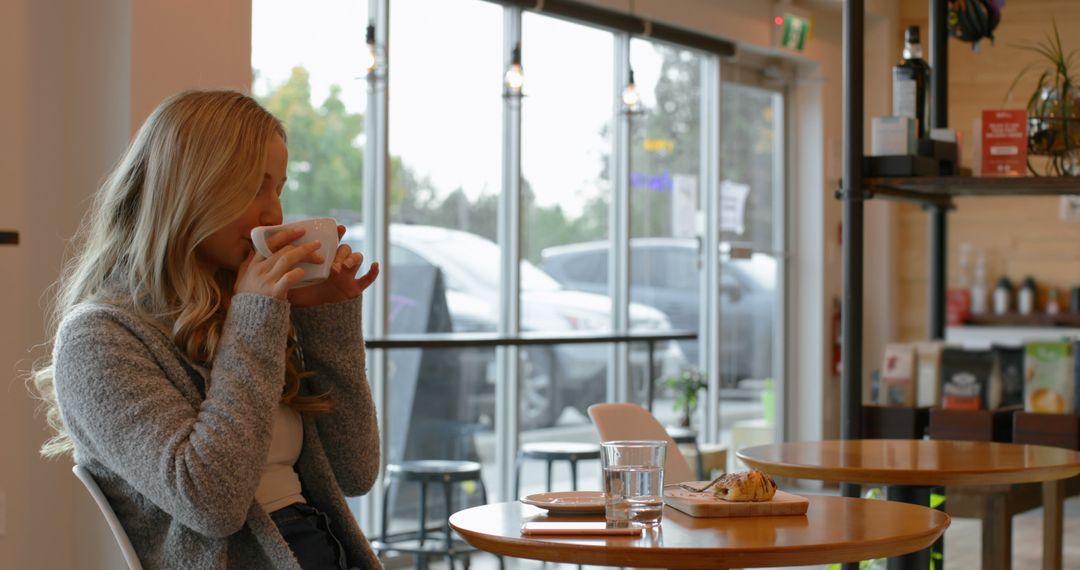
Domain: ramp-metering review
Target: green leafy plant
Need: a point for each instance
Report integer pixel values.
(1053, 106)
(686, 385)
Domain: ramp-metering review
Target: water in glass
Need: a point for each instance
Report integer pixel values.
(634, 494)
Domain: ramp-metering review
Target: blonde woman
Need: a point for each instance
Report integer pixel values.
(225, 416)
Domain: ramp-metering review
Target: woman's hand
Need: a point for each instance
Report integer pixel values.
(272, 276)
(342, 283)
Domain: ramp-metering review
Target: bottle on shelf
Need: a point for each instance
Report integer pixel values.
(978, 286)
(1003, 296)
(911, 84)
(1025, 298)
(1053, 307)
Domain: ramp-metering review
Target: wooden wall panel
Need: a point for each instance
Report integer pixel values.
(1019, 236)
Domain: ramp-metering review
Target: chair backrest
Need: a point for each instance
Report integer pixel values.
(110, 517)
(631, 421)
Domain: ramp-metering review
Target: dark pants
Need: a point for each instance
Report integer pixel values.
(307, 530)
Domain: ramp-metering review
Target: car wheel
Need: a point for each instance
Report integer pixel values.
(540, 402)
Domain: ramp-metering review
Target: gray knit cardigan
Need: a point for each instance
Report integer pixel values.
(181, 469)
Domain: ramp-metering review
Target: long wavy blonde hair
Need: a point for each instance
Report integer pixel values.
(195, 165)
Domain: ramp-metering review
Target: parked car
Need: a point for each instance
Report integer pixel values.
(664, 273)
(554, 376)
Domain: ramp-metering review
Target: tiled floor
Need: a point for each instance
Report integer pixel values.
(962, 546)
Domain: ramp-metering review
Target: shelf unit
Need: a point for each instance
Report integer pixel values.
(936, 194)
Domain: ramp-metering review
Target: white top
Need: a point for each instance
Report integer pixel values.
(280, 485)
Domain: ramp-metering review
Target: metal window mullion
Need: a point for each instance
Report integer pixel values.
(618, 377)
(375, 213)
(508, 363)
(779, 242)
(710, 244)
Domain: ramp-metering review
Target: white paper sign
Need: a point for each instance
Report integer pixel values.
(733, 206)
(684, 200)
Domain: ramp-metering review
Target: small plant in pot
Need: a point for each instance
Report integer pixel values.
(686, 385)
(1053, 107)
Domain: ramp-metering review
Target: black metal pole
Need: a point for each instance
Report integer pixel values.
(939, 65)
(939, 113)
(938, 226)
(851, 313)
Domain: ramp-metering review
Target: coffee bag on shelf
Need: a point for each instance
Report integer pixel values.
(965, 378)
(898, 375)
(928, 373)
(1007, 382)
(1049, 378)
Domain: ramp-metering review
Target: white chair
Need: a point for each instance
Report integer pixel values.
(631, 421)
(106, 509)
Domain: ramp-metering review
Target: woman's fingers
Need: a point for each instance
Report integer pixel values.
(342, 254)
(286, 281)
(283, 238)
(368, 278)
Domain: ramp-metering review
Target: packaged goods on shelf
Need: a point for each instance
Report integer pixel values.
(1049, 378)
(928, 373)
(898, 375)
(965, 378)
(1007, 382)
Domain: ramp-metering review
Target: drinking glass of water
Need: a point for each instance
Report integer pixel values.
(633, 481)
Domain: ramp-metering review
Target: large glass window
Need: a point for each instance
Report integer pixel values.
(751, 168)
(444, 142)
(305, 71)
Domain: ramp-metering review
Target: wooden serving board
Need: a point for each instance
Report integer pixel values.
(707, 505)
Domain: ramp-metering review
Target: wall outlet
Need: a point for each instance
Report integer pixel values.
(3, 514)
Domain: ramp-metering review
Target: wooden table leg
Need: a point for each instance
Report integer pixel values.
(1053, 495)
(996, 534)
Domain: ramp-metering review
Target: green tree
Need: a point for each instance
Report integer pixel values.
(326, 160)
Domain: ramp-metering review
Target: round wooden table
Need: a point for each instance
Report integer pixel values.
(834, 529)
(910, 467)
(913, 461)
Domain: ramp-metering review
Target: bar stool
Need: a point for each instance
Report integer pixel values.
(686, 435)
(551, 451)
(425, 472)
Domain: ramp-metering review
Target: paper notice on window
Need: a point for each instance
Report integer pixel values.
(733, 206)
(684, 201)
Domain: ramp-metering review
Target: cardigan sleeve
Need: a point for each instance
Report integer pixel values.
(201, 464)
(333, 345)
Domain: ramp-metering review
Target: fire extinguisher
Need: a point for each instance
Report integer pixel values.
(837, 361)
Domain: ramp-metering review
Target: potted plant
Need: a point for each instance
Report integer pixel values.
(1053, 107)
(686, 385)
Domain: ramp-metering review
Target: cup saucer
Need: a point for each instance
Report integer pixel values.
(568, 502)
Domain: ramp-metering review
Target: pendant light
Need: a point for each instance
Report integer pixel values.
(630, 97)
(371, 56)
(515, 75)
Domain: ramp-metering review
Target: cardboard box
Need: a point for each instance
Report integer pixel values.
(1003, 143)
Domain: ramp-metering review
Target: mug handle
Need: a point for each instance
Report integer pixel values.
(259, 236)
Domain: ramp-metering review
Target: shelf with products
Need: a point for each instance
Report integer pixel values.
(942, 189)
(1071, 320)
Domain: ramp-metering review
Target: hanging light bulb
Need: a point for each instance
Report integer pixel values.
(630, 96)
(371, 56)
(515, 75)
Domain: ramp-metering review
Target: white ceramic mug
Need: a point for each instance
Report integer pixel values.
(322, 229)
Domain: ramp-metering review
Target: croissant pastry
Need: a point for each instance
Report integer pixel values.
(746, 486)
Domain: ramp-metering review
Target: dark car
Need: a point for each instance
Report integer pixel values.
(664, 273)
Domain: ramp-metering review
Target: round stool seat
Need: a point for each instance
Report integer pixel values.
(434, 470)
(682, 434)
(556, 450)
